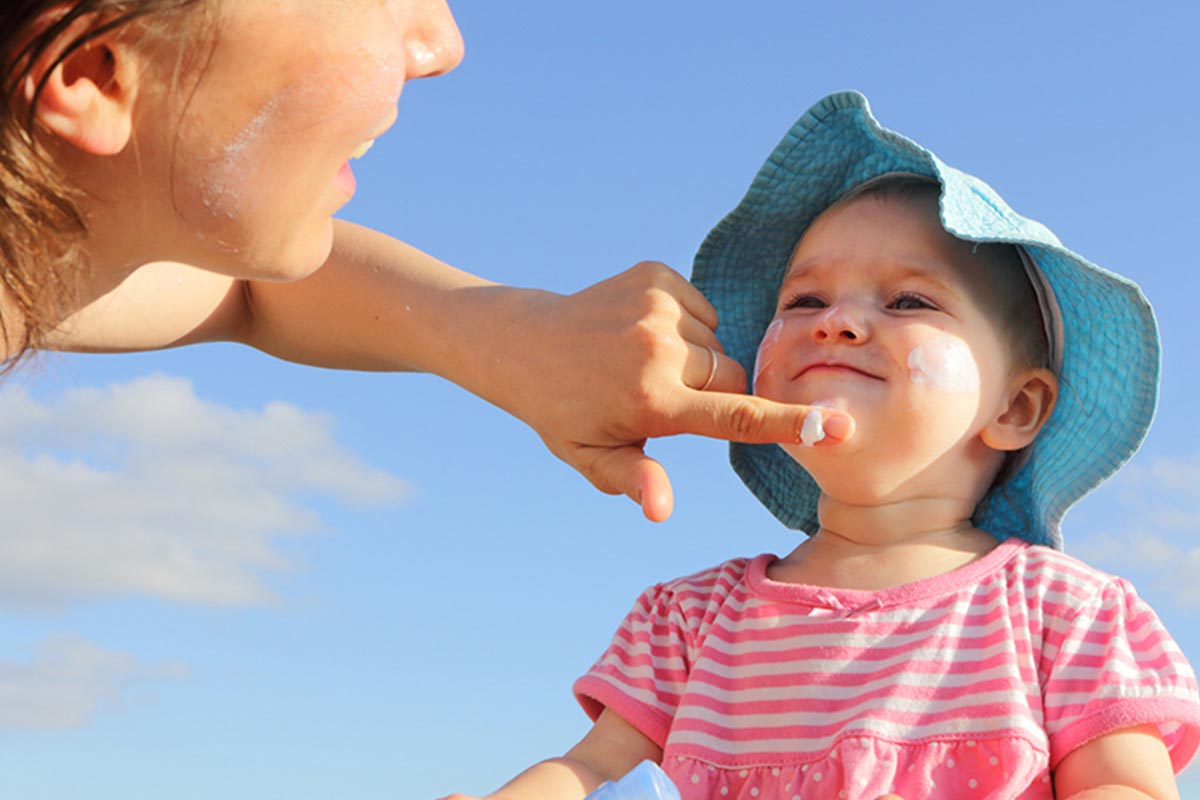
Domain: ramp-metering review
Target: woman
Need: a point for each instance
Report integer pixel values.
(170, 172)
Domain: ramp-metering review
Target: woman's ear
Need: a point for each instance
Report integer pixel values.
(1030, 401)
(87, 99)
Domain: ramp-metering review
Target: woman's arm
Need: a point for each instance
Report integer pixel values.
(1130, 764)
(610, 749)
(594, 373)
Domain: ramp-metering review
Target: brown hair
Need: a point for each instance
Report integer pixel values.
(41, 230)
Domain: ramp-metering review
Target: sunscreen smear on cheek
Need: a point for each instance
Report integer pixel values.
(227, 185)
(944, 364)
(766, 351)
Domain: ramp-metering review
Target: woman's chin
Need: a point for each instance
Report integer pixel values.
(294, 260)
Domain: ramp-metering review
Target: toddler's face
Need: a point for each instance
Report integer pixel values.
(876, 316)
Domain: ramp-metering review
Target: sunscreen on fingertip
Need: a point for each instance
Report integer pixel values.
(813, 429)
(646, 781)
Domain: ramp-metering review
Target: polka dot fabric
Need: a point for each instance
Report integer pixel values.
(863, 768)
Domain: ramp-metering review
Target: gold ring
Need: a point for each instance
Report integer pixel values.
(712, 370)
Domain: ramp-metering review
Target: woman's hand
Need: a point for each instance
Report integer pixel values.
(633, 357)
(595, 373)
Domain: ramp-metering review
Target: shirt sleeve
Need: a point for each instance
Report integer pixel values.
(642, 674)
(1110, 664)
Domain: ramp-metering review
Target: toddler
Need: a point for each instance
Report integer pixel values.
(928, 639)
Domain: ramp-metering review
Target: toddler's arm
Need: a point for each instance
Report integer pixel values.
(1130, 764)
(611, 748)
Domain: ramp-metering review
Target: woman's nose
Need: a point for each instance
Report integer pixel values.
(840, 323)
(433, 43)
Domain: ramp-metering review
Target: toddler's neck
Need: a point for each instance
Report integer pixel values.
(880, 547)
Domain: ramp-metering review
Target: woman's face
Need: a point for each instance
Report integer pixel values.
(293, 90)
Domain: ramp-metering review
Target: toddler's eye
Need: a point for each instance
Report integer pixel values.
(803, 301)
(907, 301)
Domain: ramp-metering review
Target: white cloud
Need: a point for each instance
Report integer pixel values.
(67, 681)
(145, 488)
(1158, 530)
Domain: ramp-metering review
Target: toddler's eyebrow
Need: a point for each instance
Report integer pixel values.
(903, 271)
(896, 270)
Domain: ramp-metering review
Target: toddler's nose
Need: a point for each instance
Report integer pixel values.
(840, 323)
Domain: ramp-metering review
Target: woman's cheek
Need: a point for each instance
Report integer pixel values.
(233, 182)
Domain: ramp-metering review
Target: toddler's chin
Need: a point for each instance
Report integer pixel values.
(812, 448)
(833, 403)
(837, 402)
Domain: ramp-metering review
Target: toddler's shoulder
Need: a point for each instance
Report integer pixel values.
(1041, 561)
(713, 586)
(1060, 579)
(722, 578)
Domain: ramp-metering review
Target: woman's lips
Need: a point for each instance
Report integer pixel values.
(345, 180)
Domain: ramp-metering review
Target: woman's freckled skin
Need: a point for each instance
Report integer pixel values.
(269, 129)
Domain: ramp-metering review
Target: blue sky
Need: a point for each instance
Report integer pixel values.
(229, 576)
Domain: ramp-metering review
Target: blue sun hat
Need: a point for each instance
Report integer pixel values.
(1104, 338)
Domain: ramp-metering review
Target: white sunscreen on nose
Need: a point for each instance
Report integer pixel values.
(766, 350)
(944, 364)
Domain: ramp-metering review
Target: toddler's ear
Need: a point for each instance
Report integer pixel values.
(1030, 401)
(87, 98)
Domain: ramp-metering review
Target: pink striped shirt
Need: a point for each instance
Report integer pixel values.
(972, 684)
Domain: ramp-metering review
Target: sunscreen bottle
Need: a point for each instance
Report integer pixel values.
(646, 781)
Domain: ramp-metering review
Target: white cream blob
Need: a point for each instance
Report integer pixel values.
(945, 364)
(766, 351)
(813, 428)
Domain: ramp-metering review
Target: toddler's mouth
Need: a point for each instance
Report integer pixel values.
(837, 367)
